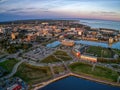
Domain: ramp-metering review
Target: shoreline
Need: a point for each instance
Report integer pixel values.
(101, 44)
(98, 41)
(43, 84)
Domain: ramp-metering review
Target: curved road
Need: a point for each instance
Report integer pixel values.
(13, 71)
(43, 64)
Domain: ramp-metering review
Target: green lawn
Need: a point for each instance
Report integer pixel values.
(106, 53)
(60, 54)
(33, 74)
(103, 60)
(116, 66)
(117, 51)
(50, 59)
(58, 69)
(9, 64)
(99, 72)
(64, 58)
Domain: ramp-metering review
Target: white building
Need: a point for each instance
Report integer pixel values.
(89, 58)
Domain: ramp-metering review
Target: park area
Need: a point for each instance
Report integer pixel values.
(57, 56)
(101, 73)
(8, 64)
(59, 69)
(100, 51)
(33, 74)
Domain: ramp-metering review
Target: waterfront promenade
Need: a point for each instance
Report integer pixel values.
(43, 84)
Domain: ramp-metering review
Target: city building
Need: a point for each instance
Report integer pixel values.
(88, 58)
(111, 40)
(80, 32)
(78, 51)
(67, 42)
(13, 36)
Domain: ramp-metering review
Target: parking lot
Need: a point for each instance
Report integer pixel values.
(39, 53)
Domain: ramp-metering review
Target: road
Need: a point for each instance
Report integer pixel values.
(13, 71)
(74, 59)
(9, 56)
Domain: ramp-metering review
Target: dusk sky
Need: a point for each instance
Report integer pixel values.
(36, 9)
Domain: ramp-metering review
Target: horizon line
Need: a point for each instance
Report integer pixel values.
(56, 19)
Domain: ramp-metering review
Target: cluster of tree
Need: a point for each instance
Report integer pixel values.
(13, 48)
(102, 60)
(4, 43)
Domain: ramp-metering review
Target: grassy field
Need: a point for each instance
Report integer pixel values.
(116, 66)
(64, 58)
(33, 74)
(50, 59)
(58, 69)
(60, 54)
(117, 51)
(99, 51)
(103, 60)
(8, 64)
(99, 72)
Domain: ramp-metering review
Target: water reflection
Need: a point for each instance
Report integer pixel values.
(74, 83)
(92, 43)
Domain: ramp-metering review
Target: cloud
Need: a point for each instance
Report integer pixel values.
(27, 11)
(103, 12)
(72, 8)
(13, 10)
(106, 13)
(19, 9)
(2, 1)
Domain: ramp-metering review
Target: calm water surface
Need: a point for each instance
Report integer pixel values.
(101, 23)
(74, 83)
(92, 43)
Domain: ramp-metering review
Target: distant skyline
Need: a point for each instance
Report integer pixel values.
(38, 9)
